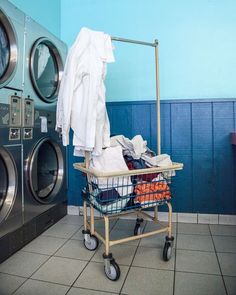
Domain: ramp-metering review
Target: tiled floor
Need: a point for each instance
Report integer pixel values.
(203, 262)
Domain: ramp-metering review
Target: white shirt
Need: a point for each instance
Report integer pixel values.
(81, 99)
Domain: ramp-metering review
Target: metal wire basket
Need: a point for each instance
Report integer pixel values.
(111, 193)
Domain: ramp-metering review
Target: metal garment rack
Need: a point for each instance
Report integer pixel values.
(155, 45)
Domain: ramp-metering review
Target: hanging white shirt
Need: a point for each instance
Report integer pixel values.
(81, 100)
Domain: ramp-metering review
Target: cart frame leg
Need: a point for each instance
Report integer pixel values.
(155, 213)
(92, 219)
(107, 238)
(85, 215)
(169, 220)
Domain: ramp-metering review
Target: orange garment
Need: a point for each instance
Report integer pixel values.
(150, 192)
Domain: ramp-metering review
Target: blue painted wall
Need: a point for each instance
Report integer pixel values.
(47, 13)
(197, 45)
(194, 132)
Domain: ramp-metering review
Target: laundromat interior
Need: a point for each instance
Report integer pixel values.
(117, 147)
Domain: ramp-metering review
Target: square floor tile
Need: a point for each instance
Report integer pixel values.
(196, 261)
(195, 242)
(9, 283)
(117, 234)
(75, 249)
(227, 263)
(223, 230)
(60, 270)
(225, 244)
(99, 223)
(79, 291)
(62, 230)
(44, 245)
(193, 229)
(23, 263)
(153, 258)
(72, 219)
(230, 283)
(126, 224)
(198, 284)
(123, 254)
(93, 277)
(142, 281)
(156, 241)
(38, 288)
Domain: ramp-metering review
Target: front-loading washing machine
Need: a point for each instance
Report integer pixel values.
(12, 37)
(44, 64)
(11, 215)
(45, 179)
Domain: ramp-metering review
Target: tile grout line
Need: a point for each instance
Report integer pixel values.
(132, 260)
(218, 261)
(108, 292)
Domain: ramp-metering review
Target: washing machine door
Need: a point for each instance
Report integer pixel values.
(46, 170)
(8, 50)
(46, 69)
(8, 183)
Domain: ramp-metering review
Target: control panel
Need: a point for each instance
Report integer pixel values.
(15, 111)
(28, 112)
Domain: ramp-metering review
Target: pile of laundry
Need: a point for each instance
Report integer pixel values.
(114, 194)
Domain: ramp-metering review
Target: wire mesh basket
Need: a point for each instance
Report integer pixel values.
(111, 193)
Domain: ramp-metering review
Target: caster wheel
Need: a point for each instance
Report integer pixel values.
(113, 273)
(137, 229)
(92, 243)
(167, 251)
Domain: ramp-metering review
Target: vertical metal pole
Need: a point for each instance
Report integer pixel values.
(158, 101)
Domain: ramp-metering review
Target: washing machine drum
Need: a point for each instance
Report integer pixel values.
(8, 50)
(8, 183)
(45, 69)
(46, 171)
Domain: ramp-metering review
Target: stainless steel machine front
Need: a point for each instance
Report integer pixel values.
(11, 215)
(12, 22)
(44, 167)
(44, 64)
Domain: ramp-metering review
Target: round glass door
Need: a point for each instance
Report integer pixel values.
(8, 183)
(4, 51)
(46, 170)
(46, 69)
(8, 50)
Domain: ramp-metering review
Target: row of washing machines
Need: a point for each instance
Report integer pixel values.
(32, 158)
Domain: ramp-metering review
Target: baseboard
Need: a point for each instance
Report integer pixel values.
(176, 217)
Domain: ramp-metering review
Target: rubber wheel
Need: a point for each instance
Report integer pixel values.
(92, 244)
(167, 251)
(114, 273)
(137, 229)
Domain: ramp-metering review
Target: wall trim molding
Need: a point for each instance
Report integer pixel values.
(174, 100)
(177, 217)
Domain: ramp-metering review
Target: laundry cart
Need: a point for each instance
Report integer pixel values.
(119, 193)
(138, 189)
